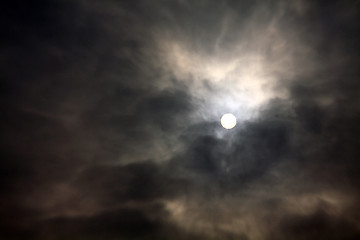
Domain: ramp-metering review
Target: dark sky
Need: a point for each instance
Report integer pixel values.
(110, 120)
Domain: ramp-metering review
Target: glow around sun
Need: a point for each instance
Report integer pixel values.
(228, 121)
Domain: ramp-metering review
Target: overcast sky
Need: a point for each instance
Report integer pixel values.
(110, 120)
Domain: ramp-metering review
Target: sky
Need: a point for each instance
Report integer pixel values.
(110, 120)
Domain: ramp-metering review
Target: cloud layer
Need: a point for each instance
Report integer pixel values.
(111, 111)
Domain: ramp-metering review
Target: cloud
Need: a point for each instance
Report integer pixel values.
(110, 120)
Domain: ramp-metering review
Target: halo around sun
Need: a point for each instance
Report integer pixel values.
(228, 121)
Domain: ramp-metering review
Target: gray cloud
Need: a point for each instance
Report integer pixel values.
(110, 120)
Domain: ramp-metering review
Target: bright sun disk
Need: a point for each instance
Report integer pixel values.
(228, 121)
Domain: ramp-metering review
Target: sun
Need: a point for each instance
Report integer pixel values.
(228, 121)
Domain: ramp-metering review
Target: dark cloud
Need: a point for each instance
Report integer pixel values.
(110, 120)
(319, 225)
